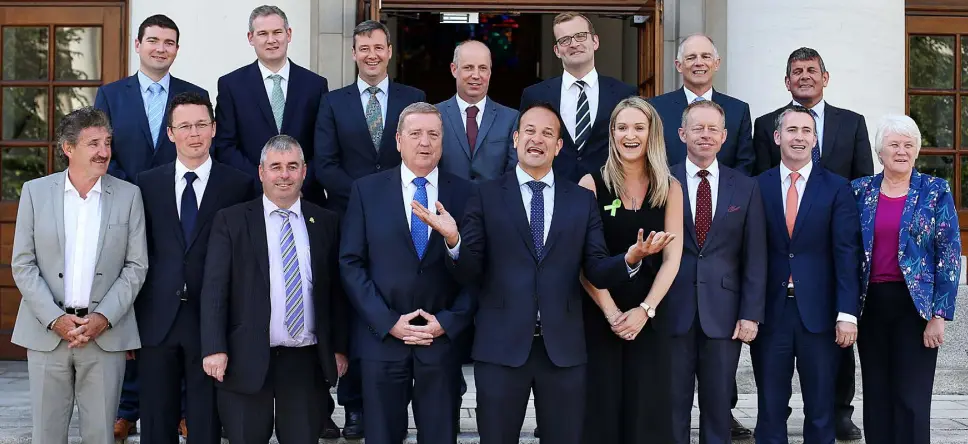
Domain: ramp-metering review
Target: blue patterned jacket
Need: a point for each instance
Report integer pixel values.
(929, 245)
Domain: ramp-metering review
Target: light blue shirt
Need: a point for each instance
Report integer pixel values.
(380, 96)
(144, 82)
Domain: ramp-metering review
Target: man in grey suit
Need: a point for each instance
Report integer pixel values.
(79, 259)
(478, 143)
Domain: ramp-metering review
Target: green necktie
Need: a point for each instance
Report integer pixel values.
(277, 101)
(374, 117)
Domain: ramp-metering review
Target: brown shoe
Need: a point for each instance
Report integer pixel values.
(183, 429)
(123, 428)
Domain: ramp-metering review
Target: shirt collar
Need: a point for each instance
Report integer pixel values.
(818, 108)
(464, 105)
(591, 79)
(804, 172)
(383, 85)
(692, 169)
(203, 170)
(268, 207)
(523, 178)
(407, 176)
(283, 72)
(68, 186)
(690, 96)
(144, 81)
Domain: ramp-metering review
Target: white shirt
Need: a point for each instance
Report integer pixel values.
(819, 108)
(801, 187)
(82, 228)
(380, 96)
(409, 189)
(203, 171)
(283, 72)
(278, 333)
(569, 99)
(691, 96)
(462, 105)
(693, 180)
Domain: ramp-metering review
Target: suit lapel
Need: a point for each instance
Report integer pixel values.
(309, 219)
(261, 98)
(170, 206)
(255, 219)
(57, 197)
(392, 197)
(831, 124)
(773, 199)
(557, 223)
(723, 199)
(357, 115)
(871, 196)
(295, 83)
(490, 113)
(107, 201)
(907, 214)
(211, 201)
(515, 210)
(680, 173)
(436, 241)
(606, 96)
(813, 187)
(395, 105)
(452, 111)
(134, 96)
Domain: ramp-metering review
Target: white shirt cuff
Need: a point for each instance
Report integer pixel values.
(847, 318)
(454, 253)
(633, 271)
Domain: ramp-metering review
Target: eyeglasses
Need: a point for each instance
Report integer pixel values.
(200, 127)
(579, 37)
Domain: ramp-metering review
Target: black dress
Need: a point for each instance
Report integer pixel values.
(624, 382)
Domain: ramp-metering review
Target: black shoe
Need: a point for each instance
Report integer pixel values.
(330, 431)
(353, 429)
(847, 430)
(537, 434)
(738, 430)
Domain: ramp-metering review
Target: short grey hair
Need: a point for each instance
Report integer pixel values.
(367, 27)
(900, 125)
(265, 11)
(802, 55)
(417, 108)
(682, 45)
(70, 127)
(461, 44)
(281, 144)
(794, 109)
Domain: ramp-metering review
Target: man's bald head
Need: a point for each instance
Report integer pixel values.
(472, 69)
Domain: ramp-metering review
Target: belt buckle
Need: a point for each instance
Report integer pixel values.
(79, 312)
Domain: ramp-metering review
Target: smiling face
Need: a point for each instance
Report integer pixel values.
(797, 136)
(538, 140)
(898, 153)
(372, 54)
(419, 142)
(575, 54)
(157, 49)
(472, 71)
(698, 64)
(270, 37)
(191, 131)
(92, 153)
(703, 134)
(806, 81)
(630, 135)
(282, 175)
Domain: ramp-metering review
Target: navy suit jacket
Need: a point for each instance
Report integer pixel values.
(570, 164)
(823, 254)
(344, 150)
(725, 280)
(497, 253)
(177, 264)
(494, 152)
(737, 152)
(132, 150)
(845, 149)
(245, 121)
(384, 278)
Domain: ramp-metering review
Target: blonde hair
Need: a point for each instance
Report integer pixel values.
(656, 163)
(566, 16)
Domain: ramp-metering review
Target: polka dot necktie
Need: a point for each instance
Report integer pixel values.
(537, 215)
(418, 229)
(704, 208)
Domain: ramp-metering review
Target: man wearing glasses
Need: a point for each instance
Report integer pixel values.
(582, 97)
(180, 200)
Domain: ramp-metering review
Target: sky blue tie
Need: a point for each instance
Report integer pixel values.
(537, 215)
(698, 99)
(295, 312)
(156, 110)
(418, 229)
(815, 152)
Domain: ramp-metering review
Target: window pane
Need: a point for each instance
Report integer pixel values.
(935, 116)
(931, 61)
(78, 54)
(25, 53)
(69, 99)
(18, 165)
(937, 166)
(25, 114)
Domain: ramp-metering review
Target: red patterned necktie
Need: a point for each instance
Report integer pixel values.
(704, 208)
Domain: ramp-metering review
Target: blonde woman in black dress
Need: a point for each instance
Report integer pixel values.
(635, 191)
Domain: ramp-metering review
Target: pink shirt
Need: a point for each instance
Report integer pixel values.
(887, 228)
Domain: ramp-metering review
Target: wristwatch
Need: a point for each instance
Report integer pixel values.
(650, 311)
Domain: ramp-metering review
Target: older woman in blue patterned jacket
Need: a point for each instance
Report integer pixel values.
(911, 268)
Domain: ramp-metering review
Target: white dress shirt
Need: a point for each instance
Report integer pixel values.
(693, 180)
(801, 187)
(278, 333)
(203, 171)
(569, 99)
(819, 108)
(82, 228)
(462, 105)
(409, 189)
(283, 72)
(691, 96)
(381, 96)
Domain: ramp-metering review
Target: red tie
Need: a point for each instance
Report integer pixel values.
(704, 208)
(472, 127)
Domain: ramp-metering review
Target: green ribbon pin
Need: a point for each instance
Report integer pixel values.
(616, 204)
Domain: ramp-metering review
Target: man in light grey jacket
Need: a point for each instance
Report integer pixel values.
(79, 260)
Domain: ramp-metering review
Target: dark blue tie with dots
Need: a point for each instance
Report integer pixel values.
(815, 152)
(537, 215)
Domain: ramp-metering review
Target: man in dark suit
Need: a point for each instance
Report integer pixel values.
(275, 334)
(698, 60)
(812, 290)
(842, 148)
(719, 292)
(478, 142)
(529, 233)
(412, 311)
(352, 121)
(136, 106)
(582, 97)
(268, 97)
(180, 200)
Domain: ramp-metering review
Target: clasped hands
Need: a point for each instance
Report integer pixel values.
(412, 334)
(78, 331)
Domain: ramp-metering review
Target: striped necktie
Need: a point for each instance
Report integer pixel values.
(295, 312)
(156, 110)
(583, 118)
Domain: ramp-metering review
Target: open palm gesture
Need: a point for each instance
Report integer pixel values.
(441, 221)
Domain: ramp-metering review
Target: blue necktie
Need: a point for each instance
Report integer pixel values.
(698, 99)
(537, 215)
(295, 311)
(418, 229)
(815, 152)
(189, 206)
(156, 110)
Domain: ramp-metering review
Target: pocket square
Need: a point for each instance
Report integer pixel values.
(732, 209)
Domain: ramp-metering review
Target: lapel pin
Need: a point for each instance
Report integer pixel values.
(312, 221)
(613, 207)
